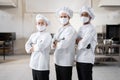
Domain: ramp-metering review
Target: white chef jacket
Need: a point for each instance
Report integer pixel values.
(89, 36)
(65, 50)
(40, 57)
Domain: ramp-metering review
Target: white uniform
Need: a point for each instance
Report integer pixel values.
(89, 36)
(40, 56)
(65, 50)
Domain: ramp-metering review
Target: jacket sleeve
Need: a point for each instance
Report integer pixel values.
(28, 45)
(43, 43)
(69, 38)
(86, 39)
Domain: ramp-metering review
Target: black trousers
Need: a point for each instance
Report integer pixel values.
(40, 75)
(84, 71)
(63, 73)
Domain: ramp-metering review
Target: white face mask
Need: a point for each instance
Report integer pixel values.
(84, 19)
(41, 28)
(63, 20)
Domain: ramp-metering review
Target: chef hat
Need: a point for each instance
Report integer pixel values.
(39, 16)
(66, 10)
(88, 10)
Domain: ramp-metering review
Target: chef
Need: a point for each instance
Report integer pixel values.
(39, 46)
(64, 45)
(86, 40)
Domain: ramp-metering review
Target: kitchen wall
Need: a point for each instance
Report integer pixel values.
(22, 19)
(105, 15)
(11, 20)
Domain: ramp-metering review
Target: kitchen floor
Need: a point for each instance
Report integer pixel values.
(16, 67)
